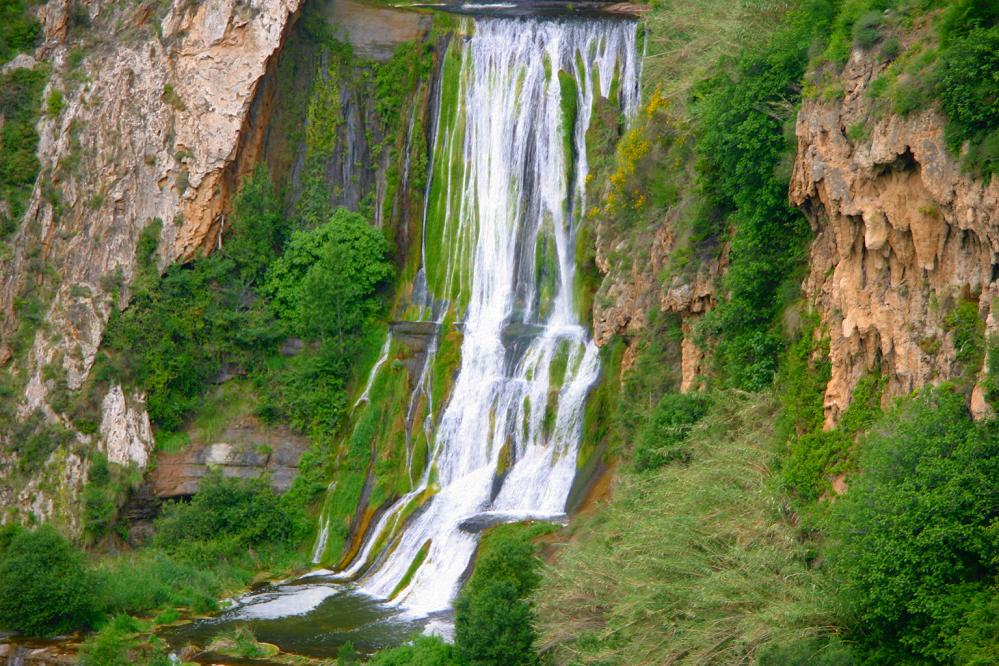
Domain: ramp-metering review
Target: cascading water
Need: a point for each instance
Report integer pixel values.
(504, 447)
(494, 300)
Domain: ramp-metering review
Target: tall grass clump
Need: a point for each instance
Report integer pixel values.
(692, 562)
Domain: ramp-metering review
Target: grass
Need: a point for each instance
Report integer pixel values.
(692, 563)
(230, 401)
(686, 40)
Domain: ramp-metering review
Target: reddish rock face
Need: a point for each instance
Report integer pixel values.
(245, 450)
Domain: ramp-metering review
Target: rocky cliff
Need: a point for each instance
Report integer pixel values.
(158, 121)
(903, 239)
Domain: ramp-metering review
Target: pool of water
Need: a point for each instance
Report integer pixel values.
(312, 616)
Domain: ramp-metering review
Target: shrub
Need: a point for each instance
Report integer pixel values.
(257, 230)
(866, 31)
(969, 92)
(99, 504)
(225, 517)
(741, 116)
(968, 329)
(20, 102)
(661, 439)
(915, 544)
(423, 651)
(45, 586)
(118, 643)
(149, 579)
(493, 615)
(19, 29)
(55, 103)
(689, 563)
(324, 285)
(813, 652)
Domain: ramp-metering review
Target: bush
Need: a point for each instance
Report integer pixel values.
(493, 615)
(45, 586)
(257, 231)
(423, 651)
(225, 517)
(19, 29)
(969, 91)
(916, 552)
(661, 439)
(118, 643)
(866, 31)
(692, 563)
(20, 103)
(741, 118)
(968, 328)
(149, 579)
(811, 652)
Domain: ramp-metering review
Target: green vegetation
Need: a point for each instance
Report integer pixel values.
(45, 587)
(914, 550)
(661, 440)
(214, 545)
(20, 106)
(494, 614)
(241, 643)
(956, 66)
(687, 562)
(123, 641)
(756, 532)
(423, 651)
(742, 151)
(226, 517)
(19, 29)
(323, 287)
(239, 304)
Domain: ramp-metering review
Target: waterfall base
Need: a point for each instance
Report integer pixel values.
(311, 616)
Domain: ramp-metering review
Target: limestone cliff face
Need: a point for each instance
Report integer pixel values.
(902, 237)
(157, 123)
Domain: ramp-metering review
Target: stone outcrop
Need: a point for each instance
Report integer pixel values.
(157, 123)
(903, 236)
(625, 298)
(245, 450)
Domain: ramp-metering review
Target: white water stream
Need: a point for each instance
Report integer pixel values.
(506, 443)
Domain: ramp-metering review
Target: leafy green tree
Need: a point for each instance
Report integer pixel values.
(493, 615)
(916, 539)
(257, 230)
(45, 586)
(424, 651)
(741, 147)
(325, 284)
(19, 29)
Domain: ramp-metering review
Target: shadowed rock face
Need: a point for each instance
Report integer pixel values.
(244, 450)
(903, 236)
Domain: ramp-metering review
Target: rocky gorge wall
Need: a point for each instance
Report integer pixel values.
(156, 124)
(903, 238)
(905, 242)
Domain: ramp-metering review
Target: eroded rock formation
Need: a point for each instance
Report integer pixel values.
(903, 237)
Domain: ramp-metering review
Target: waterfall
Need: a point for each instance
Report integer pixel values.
(508, 177)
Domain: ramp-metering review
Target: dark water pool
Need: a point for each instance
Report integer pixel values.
(311, 616)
